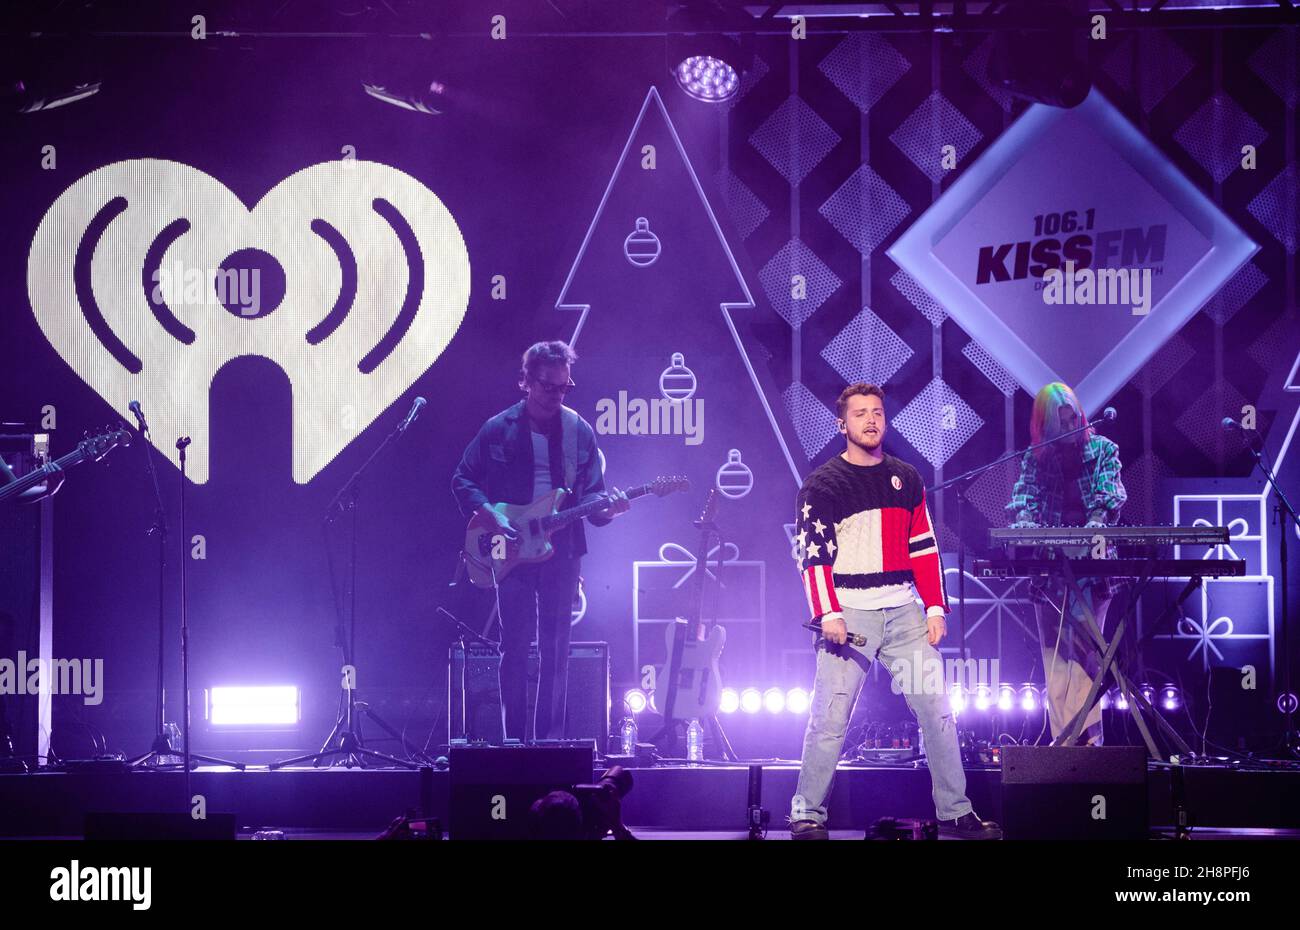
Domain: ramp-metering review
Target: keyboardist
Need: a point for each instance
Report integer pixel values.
(1073, 482)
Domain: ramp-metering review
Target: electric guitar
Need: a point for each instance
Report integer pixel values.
(489, 556)
(690, 685)
(90, 449)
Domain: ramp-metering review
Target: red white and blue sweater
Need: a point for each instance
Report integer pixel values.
(865, 538)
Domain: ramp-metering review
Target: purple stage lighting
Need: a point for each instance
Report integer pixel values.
(1028, 698)
(796, 701)
(751, 702)
(1006, 697)
(1169, 693)
(774, 700)
(253, 706)
(956, 699)
(1121, 701)
(636, 701)
(983, 697)
(708, 79)
(729, 701)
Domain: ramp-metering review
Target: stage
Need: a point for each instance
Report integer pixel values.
(702, 802)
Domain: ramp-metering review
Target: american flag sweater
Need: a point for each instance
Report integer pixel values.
(860, 529)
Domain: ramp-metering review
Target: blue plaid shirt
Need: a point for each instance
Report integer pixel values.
(1039, 495)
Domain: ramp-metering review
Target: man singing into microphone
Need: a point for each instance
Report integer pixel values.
(520, 454)
(1072, 482)
(867, 549)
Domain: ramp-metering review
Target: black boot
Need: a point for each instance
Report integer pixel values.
(970, 827)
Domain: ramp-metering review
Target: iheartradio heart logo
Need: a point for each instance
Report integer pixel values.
(137, 276)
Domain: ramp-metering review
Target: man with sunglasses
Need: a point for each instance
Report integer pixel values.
(520, 454)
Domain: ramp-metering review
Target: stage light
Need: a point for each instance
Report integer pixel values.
(1121, 701)
(956, 699)
(1006, 697)
(796, 701)
(1028, 698)
(707, 47)
(983, 697)
(253, 706)
(636, 701)
(706, 78)
(1105, 701)
(751, 702)
(1170, 697)
(774, 700)
(729, 701)
(1147, 692)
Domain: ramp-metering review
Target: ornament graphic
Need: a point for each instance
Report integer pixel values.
(734, 479)
(677, 382)
(642, 247)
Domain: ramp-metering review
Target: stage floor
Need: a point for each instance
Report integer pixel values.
(667, 802)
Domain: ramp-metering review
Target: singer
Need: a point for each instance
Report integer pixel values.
(518, 455)
(1072, 482)
(869, 559)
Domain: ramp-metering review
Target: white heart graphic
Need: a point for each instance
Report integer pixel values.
(333, 400)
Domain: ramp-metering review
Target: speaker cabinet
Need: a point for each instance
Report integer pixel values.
(1074, 792)
(492, 788)
(587, 704)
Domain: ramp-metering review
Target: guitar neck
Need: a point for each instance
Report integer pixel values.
(36, 476)
(565, 517)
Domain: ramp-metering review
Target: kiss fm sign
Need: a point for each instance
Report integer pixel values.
(1073, 249)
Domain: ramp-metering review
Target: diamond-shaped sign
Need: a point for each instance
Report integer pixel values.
(1084, 185)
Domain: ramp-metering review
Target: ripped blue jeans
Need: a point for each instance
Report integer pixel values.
(897, 637)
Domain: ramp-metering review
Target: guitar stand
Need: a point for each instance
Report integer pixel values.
(1138, 705)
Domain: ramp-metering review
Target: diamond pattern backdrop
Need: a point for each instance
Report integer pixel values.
(856, 133)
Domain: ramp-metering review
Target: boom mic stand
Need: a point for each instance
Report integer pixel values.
(962, 483)
(1284, 515)
(345, 739)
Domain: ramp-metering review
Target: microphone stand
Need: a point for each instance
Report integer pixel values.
(162, 747)
(962, 484)
(1284, 516)
(345, 739)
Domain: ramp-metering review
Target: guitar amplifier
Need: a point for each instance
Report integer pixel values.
(493, 787)
(587, 705)
(1074, 792)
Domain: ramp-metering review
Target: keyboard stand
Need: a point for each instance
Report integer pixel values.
(1138, 705)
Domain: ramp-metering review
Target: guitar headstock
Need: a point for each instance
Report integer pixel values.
(662, 487)
(94, 448)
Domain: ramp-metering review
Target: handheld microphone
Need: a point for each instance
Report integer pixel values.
(410, 417)
(139, 416)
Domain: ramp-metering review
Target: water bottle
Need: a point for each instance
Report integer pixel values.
(627, 736)
(695, 741)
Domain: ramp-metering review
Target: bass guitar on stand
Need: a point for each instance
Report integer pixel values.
(689, 686)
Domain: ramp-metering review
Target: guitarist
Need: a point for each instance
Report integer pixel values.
(41, 490)
(518, 455)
